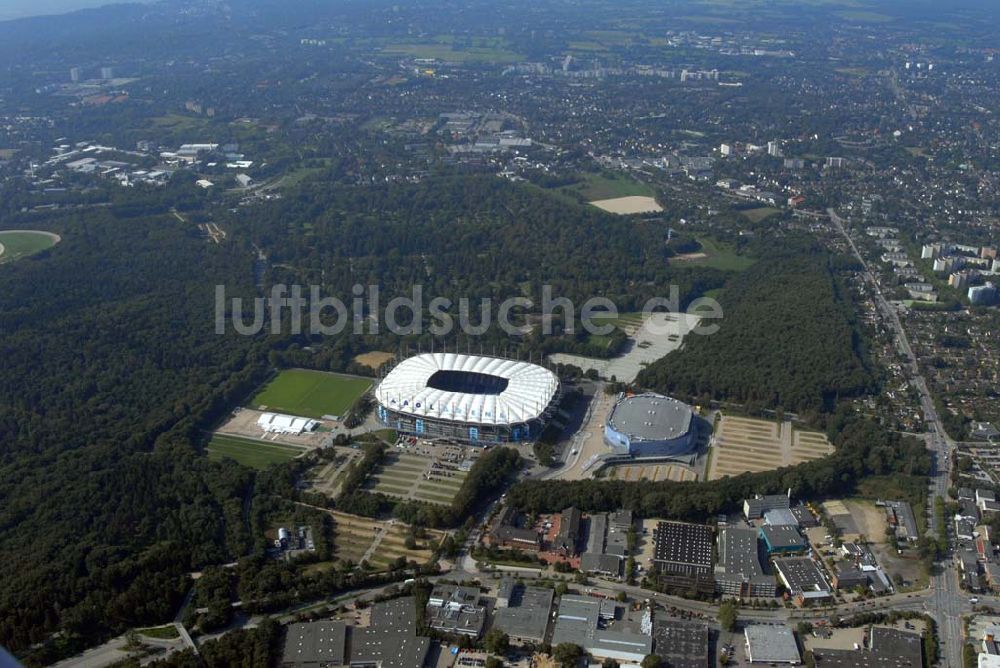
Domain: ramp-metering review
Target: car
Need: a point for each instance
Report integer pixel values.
(974, 600)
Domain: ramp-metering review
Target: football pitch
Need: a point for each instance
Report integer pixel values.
(250, 452)
(310, 394)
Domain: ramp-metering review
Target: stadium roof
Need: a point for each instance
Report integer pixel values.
(468, 388)
(651, 417)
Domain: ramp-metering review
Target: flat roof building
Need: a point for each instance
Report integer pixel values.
(391, 641)
(782, 539)
(579, 621)
(682, 554)
(452, 609)
(525, 617)
(740, 571)
(767, 643)
(650, 425)
(803, 579)
(887, 648)
(755, 508)
(681, 644)
(315, 645)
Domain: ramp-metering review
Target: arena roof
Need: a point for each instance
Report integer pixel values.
(468, 388)
(651, 417)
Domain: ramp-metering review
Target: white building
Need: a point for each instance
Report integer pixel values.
(276, 423)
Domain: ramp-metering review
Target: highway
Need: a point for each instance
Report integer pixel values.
(947, 601)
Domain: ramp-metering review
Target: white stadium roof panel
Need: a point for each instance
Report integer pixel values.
(521, 391)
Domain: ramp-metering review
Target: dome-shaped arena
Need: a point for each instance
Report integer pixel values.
(650, 425)
(470, 398)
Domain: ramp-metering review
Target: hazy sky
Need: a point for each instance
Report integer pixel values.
(12, 9)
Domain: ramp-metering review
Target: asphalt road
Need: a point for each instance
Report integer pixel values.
(947, 601)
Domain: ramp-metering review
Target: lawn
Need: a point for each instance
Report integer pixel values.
(721, 257)
(448, 53)
(168, 632)
(311, 393)
(22, 243)
(250, 452)
(760, 213)
(609, 186)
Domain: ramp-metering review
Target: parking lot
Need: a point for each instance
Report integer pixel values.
(746, 444)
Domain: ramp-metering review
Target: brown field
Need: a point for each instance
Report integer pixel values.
(627, 205)
(652, 472)
(379, 542)
(746, 444)
(373, 359)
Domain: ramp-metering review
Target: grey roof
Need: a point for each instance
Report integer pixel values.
(456, 610)
(651, 417)
(576, 619)
(771, 644)
(527, 616)
(596, 533)
(398, 614)
(802, 576)
(683, 644)
(780, 517)
(782, 537)
(889, 648)
(374, 646)
(756, 507)
(315, 644)
(592, 562)
(739, 555)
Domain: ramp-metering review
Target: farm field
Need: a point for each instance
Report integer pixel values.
(747, 444)
(15, 244)
(418, 478)
(251, 452)
(312, 394)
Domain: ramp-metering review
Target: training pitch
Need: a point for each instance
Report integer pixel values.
(15, 244)
(312, 394)
(251, 452)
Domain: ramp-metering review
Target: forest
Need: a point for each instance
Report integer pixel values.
(109, 370)
(787, 340)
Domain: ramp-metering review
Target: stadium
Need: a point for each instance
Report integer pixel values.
(467, 398)
(650, 425)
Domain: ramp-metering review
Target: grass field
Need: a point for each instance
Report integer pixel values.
(719, 256)
(609, 186)
(16, 244)
(168, 632)
(461, 54)
(310, 393)
(760, 213)
(250, 452)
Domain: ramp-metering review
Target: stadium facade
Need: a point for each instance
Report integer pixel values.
(469, 398)
(650, 425)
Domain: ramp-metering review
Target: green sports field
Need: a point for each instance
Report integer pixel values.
(16, 244)
(310, 393)
(251, 452)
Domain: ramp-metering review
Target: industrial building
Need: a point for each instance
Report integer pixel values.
(682, 555)
(523, 612)
(886, 648)
(452, 609)
(468, 398)
(681, 644)
(582, 620)
(607, 543)
(767, 643)
(740, 571)
(755, 508)
(315, 645)
(390, 641)
(650, 425)
(782, 539)
(804, 580)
